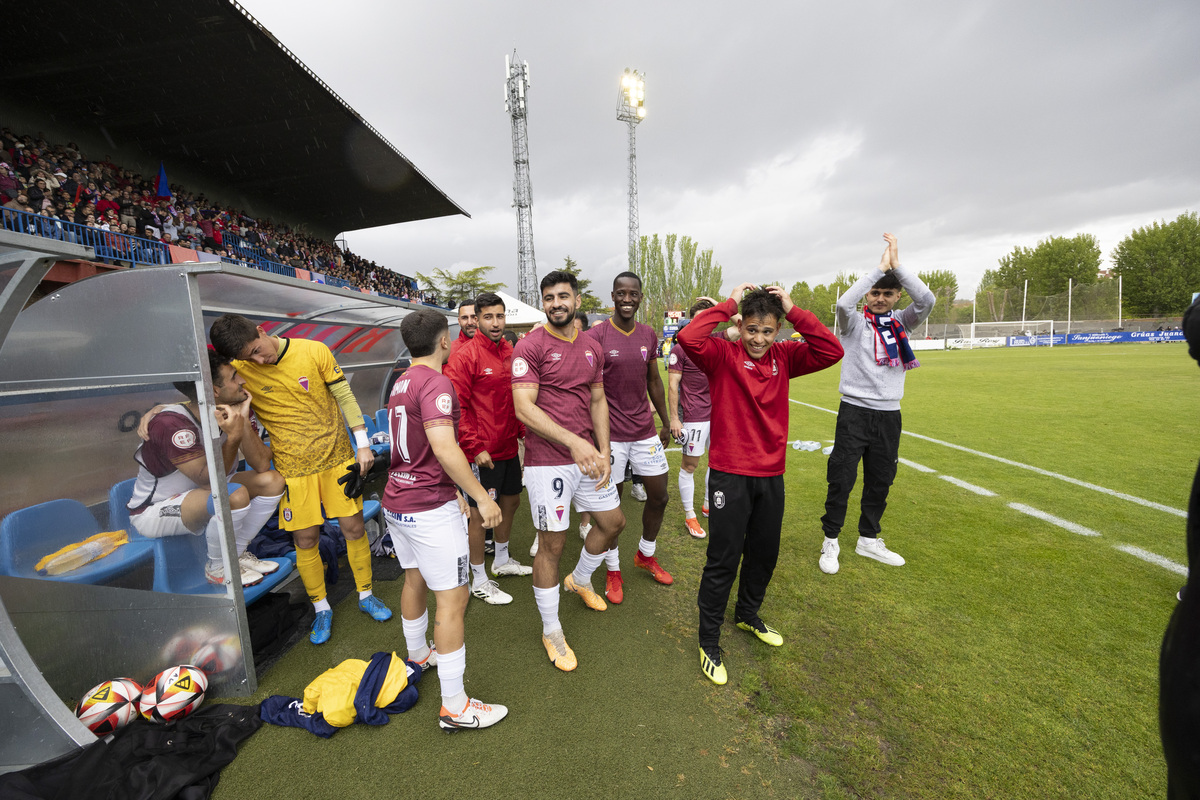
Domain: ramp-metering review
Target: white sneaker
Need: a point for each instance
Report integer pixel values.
(511, 567)
(875, 548)
(490, 593)
(829, 556)
(639, 492)
(475, 715)
(533, 547)
(584, 530)
(249, 561)
(215, 574)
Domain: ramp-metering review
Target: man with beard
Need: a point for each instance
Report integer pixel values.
(468, 323)
(558, 391)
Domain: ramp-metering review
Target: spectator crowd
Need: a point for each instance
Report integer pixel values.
(58, 184)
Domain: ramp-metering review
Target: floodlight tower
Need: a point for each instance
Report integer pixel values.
(516, 84)
(631, 109)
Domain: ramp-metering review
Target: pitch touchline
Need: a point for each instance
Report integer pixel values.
(1112, 493)
(1137, 552)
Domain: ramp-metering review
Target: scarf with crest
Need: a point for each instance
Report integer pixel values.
(891, 342)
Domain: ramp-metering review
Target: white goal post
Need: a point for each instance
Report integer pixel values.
(1039, 332)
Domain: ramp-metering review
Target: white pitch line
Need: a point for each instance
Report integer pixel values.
(970, 487)
(1066, 525)
(916, 466)
(1153, 558)
(1075, 481)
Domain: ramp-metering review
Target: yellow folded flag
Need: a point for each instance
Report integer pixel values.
(75, 555)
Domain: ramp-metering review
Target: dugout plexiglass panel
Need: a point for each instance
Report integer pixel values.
(78, 368)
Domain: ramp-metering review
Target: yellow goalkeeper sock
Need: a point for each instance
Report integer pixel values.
(312, 572)
(358, 553)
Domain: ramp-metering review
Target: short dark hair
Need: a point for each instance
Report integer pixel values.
(215, 362)
(560, 276)
(583, 319)
(487, 300)
(700, 305)
(421, 329)
(627, 274)
(761, 303)
(467, 302)
(888, 281)
(511, 336)
(231, 333)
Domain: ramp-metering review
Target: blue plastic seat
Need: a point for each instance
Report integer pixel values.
(381, 420)
(30, 533)
(179, 560)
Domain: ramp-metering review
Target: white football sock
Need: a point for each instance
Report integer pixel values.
(647, 548)
(478, 574)
(258, 512)
(586, 566)
(501, 555)
(547, 603)
(414, 635)
(612, 560)
(687, 492)
(450, 669)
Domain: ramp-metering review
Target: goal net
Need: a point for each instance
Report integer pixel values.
(1030, 333)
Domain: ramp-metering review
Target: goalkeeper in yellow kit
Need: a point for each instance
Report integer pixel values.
(296, 390)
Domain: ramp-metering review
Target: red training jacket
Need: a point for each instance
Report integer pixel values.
(481, 371)
(750, 398)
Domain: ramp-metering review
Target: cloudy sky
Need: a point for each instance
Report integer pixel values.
(786, 136)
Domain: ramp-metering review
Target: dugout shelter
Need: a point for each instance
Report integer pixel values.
(77, 370)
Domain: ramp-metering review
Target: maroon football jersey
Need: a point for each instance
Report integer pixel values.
(626, 355)
(422, 398)
(563, 372)
(694, 400)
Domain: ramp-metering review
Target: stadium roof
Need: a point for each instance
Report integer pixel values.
(203, 86)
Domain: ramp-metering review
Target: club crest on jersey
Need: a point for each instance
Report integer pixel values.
(444, 403)
(303, 383)
(183, 439)
(719, 499)
(559, 511)
(590, 358)
(519, 367)
(674, 359)
(287, 515)
(644, 351)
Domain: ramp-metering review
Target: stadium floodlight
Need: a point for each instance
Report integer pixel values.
(631, 109)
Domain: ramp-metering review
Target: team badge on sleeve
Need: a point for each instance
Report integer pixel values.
(674, 359)
(519, 367)
(444, 403)
(183, 439)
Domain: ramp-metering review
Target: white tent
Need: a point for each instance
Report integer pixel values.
(517, 313)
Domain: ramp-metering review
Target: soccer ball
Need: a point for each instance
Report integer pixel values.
(218, 655)
(109, 706)
(174, 693)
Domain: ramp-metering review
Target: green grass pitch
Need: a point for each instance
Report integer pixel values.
(1010, 658)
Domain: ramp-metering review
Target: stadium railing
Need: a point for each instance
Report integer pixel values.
(109, 245)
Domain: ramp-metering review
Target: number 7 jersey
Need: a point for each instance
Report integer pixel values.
(422, 398)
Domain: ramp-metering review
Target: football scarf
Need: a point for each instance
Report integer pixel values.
(891, 338)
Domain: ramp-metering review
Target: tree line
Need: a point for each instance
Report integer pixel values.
(1159, 266)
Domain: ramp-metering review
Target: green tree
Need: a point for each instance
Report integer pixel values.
(674, 272)
(944, 285)
(1160, 266)
(820, 300)
(455, 287)
(1050, 264)
(588, 302)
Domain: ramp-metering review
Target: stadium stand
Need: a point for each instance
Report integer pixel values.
(55, 191)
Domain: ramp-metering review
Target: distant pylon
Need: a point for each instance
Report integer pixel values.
(516, 84)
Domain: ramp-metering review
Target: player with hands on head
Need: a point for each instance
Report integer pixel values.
(558, 391)
(426, 515)
(878, 357)
(748, 383)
